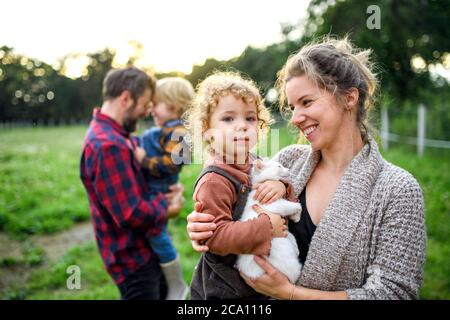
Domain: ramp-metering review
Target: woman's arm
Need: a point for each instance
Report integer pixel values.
(276, 285)
(397, 268)
(201, 227)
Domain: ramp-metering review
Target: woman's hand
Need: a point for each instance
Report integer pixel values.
(273, 283)
(279, 224)
(200, 228)
(269, 191)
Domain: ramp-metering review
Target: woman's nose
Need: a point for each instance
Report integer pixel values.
(298, 117)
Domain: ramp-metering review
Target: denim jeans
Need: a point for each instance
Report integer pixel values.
(146, 283)
(163, 247)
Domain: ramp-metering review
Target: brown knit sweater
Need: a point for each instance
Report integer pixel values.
(217, 196)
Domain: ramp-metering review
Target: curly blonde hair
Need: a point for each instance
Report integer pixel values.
(216, 86)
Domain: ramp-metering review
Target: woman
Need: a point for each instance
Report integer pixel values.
(362, 231)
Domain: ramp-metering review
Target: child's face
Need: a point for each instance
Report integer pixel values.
(161, 113)
(233, 128)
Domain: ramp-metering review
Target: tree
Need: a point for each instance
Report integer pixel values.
(413, 36)
(200, 72)
(90, 86)
(26, 87)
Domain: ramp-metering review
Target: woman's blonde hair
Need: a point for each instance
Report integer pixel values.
(337, 66)
(175, 92)
(218, 85)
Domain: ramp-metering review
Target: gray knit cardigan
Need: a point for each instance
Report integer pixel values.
(371, 239)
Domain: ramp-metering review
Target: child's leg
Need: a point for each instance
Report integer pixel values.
(170, 265)
(163, 247)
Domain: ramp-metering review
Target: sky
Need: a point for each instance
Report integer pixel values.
(175, 34)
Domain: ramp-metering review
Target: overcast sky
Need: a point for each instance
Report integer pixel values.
(175, 33)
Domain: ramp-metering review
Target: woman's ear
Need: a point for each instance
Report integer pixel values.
(351, 98)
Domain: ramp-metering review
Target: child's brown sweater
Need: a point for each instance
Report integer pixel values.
(217, 196)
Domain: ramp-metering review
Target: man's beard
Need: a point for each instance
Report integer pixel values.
(130, 123)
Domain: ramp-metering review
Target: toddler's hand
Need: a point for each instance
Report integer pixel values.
(279, 227)
(140, 154)
(269, 191)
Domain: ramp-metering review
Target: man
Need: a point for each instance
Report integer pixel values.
(123, 215)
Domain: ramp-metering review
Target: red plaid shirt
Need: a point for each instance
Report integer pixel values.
(123, 215)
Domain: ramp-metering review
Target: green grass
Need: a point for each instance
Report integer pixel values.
(40, 192)
(40, 189)
(433, 173)
(50, 283)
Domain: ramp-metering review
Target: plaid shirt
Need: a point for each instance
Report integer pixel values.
(123, 215)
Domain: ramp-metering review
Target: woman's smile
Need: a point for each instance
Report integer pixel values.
(310, 131)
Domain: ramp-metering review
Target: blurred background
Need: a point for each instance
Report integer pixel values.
(54, 55)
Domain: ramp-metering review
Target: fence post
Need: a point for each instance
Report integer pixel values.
(421, 119)
(385, 128)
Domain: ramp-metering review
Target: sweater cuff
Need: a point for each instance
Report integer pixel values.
(356, 294)
(290, 194)
(264, 248)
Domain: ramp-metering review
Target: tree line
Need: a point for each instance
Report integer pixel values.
(411, 42)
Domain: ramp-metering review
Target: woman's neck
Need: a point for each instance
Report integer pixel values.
(338, 156)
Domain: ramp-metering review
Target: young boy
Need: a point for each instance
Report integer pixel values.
(161, 158)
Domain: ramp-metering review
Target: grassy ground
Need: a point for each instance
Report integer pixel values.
(40, 166)
(41, 193)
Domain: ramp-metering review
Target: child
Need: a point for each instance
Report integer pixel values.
(161, 163)
(229, 115)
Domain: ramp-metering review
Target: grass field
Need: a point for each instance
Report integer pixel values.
(41, 193)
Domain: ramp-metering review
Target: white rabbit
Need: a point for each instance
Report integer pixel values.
(284, 251)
